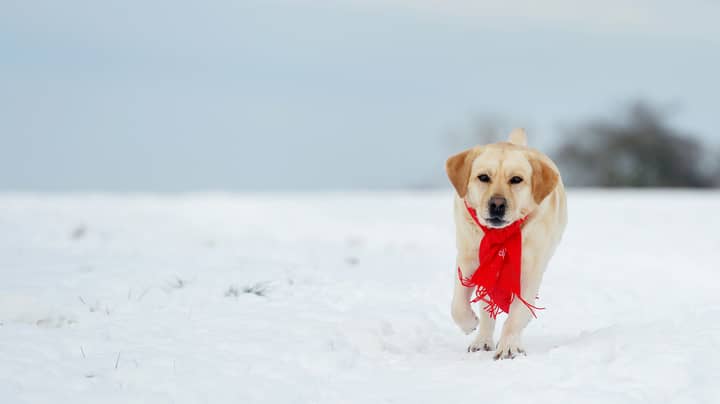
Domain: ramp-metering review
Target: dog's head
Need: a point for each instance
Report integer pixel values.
(504, 181)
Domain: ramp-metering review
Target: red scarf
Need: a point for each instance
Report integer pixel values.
(497, 278)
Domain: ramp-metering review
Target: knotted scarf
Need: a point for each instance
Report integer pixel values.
(497, 278)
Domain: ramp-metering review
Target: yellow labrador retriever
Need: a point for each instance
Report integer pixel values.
(505, 182)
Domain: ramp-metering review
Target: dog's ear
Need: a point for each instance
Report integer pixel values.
(518, 137)
(458, 169)
(544, 178)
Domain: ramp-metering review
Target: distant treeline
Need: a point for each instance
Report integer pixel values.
(639, 149)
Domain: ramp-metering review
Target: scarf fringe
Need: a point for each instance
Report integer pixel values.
(492, 308)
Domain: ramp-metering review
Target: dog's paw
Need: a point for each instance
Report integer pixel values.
(466, 319)
(468, 324)
(509, 347)
(481, 343)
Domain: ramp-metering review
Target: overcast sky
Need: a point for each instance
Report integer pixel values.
(268, 94)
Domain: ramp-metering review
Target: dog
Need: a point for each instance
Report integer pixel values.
(504, 182)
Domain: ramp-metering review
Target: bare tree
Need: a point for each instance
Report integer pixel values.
(484, 129)
(639, 150)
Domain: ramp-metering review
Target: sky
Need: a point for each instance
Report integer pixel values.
(263, 95)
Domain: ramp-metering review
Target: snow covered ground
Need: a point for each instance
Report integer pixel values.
(344, 298)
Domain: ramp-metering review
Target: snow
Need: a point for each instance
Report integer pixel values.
(344, 298)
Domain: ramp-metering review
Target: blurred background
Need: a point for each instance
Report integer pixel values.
(263, 95)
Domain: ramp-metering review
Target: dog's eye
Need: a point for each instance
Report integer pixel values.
(484, 178)
(516, 180)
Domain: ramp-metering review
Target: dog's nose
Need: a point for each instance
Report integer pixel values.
(496, 207)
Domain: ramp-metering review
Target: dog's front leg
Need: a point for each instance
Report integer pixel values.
(461, 310)
(484, 339)
(510, 343)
